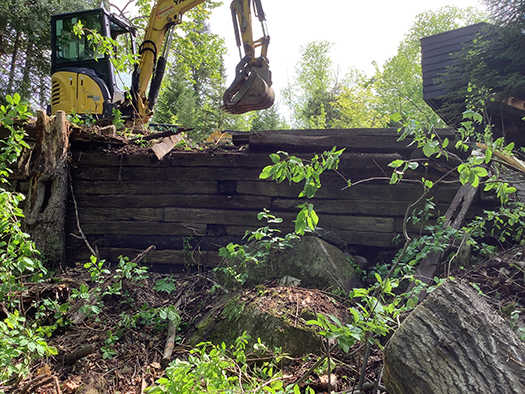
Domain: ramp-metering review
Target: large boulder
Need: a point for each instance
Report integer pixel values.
(318, 265)
(454, 342)
(276, 315)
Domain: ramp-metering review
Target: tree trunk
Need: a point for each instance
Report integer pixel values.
(454, 343)
(14, 58)
(45, 209)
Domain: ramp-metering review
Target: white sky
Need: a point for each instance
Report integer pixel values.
(362, 31)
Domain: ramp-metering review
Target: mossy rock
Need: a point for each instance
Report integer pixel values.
(276, 315)
(318, 264)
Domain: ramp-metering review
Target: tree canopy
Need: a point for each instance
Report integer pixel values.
(399, 82)
(25, 41)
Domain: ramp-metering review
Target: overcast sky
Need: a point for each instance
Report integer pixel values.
(362, 31)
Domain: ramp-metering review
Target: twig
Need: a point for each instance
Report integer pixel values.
(365, 363)
(378, 381)
(314, 367)
(39, 381)
(57, 385)
(329, 369)
(82, 235)
(141, 255)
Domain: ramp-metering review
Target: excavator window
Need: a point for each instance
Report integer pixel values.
(70, 47)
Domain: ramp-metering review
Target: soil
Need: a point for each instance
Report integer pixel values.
(138, 352)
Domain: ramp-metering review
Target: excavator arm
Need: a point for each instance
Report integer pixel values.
(251, 89)
(154, 53)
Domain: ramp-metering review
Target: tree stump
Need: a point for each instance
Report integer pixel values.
(45, 209)
(454, 342)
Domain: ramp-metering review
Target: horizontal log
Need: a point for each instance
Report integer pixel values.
(232, 159)
(363, 140)
(144, 187)
(353, 207)
(166, 174)
(158, 257)
(205, 242)
(216, 216)
(118, 214)
(212, 201)
(348, 160)
(137, 228)
(247, 218)
(336, 189)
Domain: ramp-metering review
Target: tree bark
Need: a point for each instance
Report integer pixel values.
(454, 342)
(45, 209)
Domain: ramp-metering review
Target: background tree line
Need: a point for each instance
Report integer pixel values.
(319, 95)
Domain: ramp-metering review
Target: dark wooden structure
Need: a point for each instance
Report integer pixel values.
(438, 53)
(190, 204)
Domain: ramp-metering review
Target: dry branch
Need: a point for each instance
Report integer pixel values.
(170, 343)
(79, 353)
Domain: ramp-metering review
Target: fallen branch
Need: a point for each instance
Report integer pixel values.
(170, 343)
(141, 255)
(81, 352)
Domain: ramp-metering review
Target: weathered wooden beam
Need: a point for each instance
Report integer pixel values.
(140, 187)
(161, 173)
(361, 140)
(161, 257)
(183, 201)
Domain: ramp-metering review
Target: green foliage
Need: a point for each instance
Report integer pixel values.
(297, 170)
(24, 50)
(103, 45)
(20, 343)
(238, 259)
(506, 224)
(166, 285)
(399, 82)
(22, 340)
(314, 87)
(372, 317)
(357, 105)
(221, 369)
(268, 119)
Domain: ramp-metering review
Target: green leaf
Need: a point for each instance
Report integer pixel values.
(480, 171)
(396, 117)
(266, 172)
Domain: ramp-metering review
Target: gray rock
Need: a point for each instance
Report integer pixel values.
(315, 262)
(454, 342)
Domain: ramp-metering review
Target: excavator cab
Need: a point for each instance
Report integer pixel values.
(83, 79)
(251, 90)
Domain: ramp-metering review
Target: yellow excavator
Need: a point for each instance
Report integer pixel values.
(84, 81)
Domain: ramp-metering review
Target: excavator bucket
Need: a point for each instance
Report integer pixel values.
(251, 90)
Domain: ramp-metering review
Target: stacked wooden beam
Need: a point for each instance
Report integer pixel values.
(191, 203)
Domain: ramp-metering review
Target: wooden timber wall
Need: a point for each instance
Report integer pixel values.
(190, 204)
